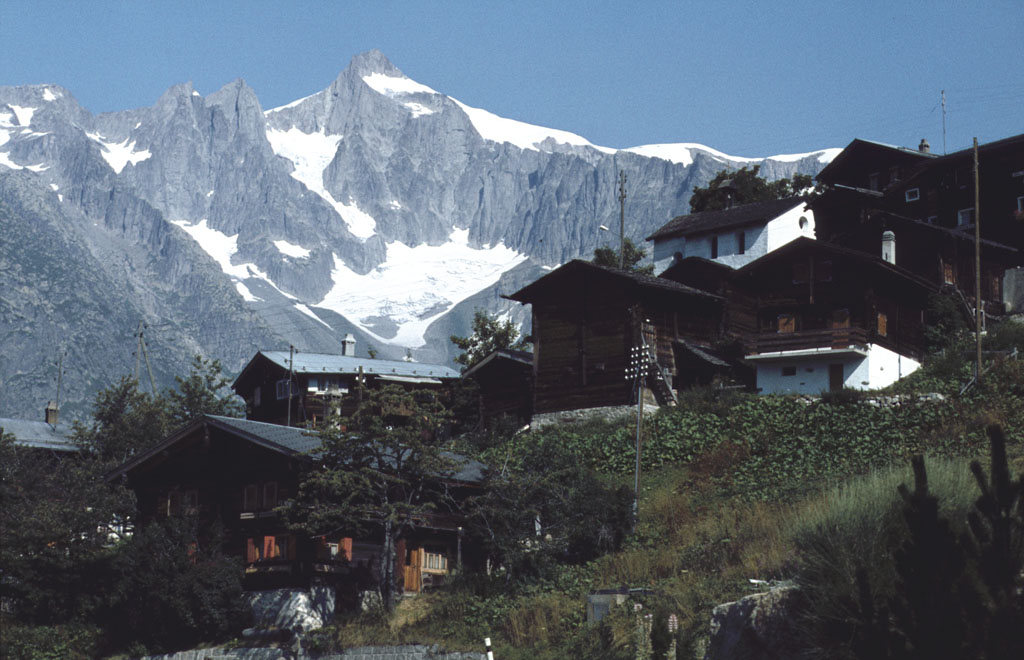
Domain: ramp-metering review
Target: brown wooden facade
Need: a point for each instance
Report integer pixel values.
(505, 384)
(810, 295)
(586, 320)
(236, 472)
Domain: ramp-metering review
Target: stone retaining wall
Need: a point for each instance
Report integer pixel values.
(411, 652)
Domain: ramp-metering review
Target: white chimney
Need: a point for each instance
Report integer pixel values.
(348, 345)
(924, 147)
(889, 247)
(52, 413)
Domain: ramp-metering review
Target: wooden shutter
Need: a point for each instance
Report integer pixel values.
(787, 323)
(883, 324)
(252, 552)
(269, 547)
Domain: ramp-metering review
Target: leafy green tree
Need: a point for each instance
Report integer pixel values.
(544, 507)
(204, 391)
(174, 588)
(125, 421)
(378, 472)
(489, 334)
(632, 255)
(746, 187)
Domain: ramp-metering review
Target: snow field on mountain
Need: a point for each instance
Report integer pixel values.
(416, 285)
(291, 250)
(119, 154)
(310, 154)
(682, 154)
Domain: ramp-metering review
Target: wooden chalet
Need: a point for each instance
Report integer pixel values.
(317, 385)
(504, 379)
(830, 318)
(588, 318)
(922, 205)
(238, 471)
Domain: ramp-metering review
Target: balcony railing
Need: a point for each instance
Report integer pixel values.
(828, 338)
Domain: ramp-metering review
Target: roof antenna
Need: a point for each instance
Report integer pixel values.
(943, 122)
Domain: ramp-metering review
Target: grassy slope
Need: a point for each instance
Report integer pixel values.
(726, 479)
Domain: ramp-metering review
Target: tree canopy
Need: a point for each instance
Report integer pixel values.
(489, 334)
(745, 186)
(378, 472)
(631, 256)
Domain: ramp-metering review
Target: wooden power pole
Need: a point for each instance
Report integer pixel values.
(979, 308)
(622, 220)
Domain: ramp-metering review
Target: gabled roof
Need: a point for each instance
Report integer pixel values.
(524, 358)
(530, 292)
(787, 251)
(331, 364)
(758, 213)
(868, 149)
(39, 435)
(286, 440)
(941, 164)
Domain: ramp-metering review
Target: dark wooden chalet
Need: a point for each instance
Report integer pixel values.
(317, 385)
(925, 202)
(505, 382)
(586, 320)
(237, 471)
(829, 317)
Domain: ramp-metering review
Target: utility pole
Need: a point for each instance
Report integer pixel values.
(979, 308)
(142, 353)
(622, 219)
(291, 373)
(637, 371)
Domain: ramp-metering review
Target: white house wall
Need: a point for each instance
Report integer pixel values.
(880, 368)
(759, 241)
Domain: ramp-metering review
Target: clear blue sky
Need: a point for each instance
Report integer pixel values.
(750, 79)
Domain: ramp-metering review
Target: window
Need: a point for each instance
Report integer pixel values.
(912, 195)
(191, 502)
(932, 219)
(434, 560)
(256, 398)
(800, 271)
(283, 387)
(873, 181)
(173, 503)
(269, 495)
(965, 217)
(997, 288)
(250, 497)
(714, 247)
(840, 319)
(894, 174)
(948, 274)
(824, 271)
(883, 324)
(1020, 203)
(741, 243)
(789, 371)
(786, 323)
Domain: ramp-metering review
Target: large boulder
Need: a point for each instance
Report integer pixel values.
(757, 627)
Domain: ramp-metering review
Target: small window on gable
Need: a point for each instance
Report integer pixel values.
(786, 323)
(965, 217)
(800, 271)
(714, 247)
(741, 243)
(191, 502)
(912, 195)
(789, 371)
(873, 181)
(932, 219)
(948, 274)
(823, 271)
(883, 324)
(283, 386)
(269, 495)
(256, 398)
(250, 495)
(894, 174)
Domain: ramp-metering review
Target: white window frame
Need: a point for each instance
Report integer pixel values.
(961, 214)
(282, 386)
(912, 195)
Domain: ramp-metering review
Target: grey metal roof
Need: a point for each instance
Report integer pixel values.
(327, 363)
(289, 437)
(39, 435)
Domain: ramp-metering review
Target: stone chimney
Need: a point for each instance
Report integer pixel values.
(889, 247)
(348, 345)
(924, 147)
(52, 413)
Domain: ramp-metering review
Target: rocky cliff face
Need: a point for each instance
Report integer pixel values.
(377, 206)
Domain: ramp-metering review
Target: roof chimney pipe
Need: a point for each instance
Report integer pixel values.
(52, 413)
(889, 247)
(348, 345)
(924, 147)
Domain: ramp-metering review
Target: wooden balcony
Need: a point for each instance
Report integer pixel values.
(828, 339)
